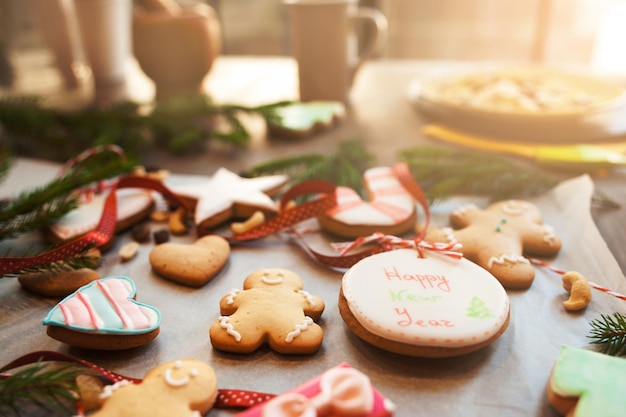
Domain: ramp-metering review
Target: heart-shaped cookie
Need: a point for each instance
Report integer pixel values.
(192, 264)
(103, 315)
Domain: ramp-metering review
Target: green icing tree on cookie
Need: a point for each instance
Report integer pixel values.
(478, 309)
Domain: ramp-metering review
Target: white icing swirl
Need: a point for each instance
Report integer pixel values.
(299, 329)
(230, 330)
(506, 258)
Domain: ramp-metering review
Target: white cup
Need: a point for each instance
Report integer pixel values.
(324, 44)
(105, 29)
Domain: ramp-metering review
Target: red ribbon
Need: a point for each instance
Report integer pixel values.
(226, 398)
(285, 220)
(98, 237)
(288, 218)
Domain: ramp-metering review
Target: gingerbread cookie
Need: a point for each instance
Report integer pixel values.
(186, 387)
(272, 309)
(498, 238)
(104, 315)
(299, 120)
(430, 307)
(585, 383)
(192, 264)
(57, 283)
(227, 196)
(390, 210)
(133, 205)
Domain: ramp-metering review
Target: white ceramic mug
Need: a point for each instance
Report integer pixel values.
(105, 29)
(324, 44)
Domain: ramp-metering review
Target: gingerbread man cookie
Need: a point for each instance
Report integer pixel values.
(185, 387)
(272, 309)
(498, 238)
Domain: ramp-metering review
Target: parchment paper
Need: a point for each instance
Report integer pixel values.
(507, 378)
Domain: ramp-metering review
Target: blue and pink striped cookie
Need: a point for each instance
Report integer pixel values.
(104, 315)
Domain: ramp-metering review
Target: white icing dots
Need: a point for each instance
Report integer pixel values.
(182, 381)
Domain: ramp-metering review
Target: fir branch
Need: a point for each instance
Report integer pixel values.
(180, 125)
(344, 166)
(39, 386)
(610, 333)
(6, 162)
(79, 261)
(35, 208)
(443, 172)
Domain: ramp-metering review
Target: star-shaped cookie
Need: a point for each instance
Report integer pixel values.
(226, 196)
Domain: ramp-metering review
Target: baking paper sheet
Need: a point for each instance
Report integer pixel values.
(507, 378)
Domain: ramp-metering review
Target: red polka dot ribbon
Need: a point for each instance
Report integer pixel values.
(98, 237)
(226, 398)
(287, 218)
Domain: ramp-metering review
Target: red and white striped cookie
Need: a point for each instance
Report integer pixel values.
(390, 210)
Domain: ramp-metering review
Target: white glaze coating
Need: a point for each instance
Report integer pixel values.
(425, 301)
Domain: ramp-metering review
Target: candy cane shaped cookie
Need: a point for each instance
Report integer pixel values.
(390, 210)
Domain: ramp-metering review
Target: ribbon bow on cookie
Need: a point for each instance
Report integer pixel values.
(343, 391)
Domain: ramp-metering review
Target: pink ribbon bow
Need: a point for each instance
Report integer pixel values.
(343, 391)
(389, 242)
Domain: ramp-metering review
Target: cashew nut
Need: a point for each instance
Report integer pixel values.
(242, 227)
(128, 251)
(177, 223)
(579, 291)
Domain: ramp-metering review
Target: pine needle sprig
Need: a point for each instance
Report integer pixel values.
(79, 261)
(39, 206)
(609, 332)
(344, 166)
(40, 386)
(444, 172)
(6, 162)
(180, 125)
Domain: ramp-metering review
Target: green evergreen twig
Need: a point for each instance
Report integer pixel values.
(39, 386)
(32, 209)
(344, 166)
(609, 332)
(444, 172)
(179, 125)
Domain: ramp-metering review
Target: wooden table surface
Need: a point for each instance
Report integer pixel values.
(383, 119)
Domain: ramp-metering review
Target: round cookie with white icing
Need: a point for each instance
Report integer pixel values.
(390, 210)
(104, 315)
(133, 206)
(428, 307)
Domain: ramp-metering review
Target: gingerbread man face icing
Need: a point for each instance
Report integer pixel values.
(185, 387)
(498, 238)
(272, 309)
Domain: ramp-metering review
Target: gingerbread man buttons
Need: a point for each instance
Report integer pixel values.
(271, 309)
(498, 238)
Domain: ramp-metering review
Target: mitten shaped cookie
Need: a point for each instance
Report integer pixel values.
(185, 387)
(272, 309)
(498, 238)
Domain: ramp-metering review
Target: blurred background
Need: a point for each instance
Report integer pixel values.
(588, 32)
